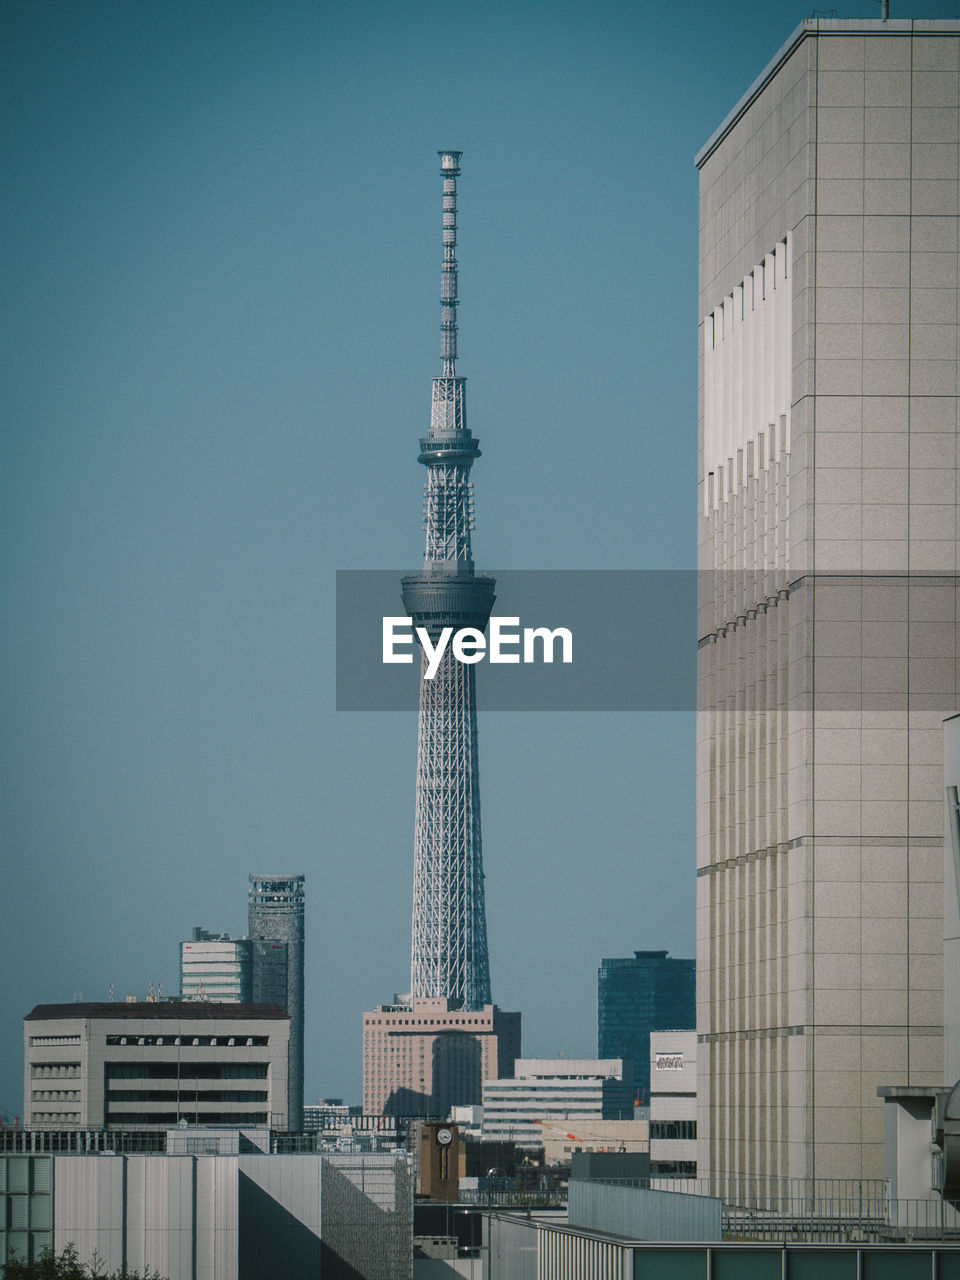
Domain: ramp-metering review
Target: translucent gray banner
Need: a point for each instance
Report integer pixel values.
(633, 642)
(651, 640)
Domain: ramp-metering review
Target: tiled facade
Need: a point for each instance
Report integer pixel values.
(828, 501)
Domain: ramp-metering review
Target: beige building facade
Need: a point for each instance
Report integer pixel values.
(144, 1065)
(828, 609)
(424, 1057)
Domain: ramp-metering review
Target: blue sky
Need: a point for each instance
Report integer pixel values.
(220, 324)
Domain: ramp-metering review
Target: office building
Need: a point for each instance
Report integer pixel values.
(547, 1098)
(425, 1057)
(276, 930)
(673, 1104)
(827, 633)
(214, 966)
(329, 1114)
(142, 1065)
(646, 992)
(449, 961)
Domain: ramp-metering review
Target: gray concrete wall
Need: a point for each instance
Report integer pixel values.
(642, 1214)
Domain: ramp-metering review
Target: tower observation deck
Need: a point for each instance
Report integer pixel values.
(449, 938)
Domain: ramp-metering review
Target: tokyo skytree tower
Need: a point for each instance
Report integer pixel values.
(449, 943)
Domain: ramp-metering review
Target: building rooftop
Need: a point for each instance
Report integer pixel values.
(193, 1010)
(824, 27)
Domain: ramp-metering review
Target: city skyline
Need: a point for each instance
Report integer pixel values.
(218, 326)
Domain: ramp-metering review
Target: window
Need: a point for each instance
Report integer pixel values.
(673, 1129)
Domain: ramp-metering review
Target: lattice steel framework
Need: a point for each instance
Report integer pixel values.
(449, 938)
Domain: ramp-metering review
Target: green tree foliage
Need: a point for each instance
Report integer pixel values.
(68, 1267)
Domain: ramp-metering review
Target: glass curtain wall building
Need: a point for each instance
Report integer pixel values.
(639, 994)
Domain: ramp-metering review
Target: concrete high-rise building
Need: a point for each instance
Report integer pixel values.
(214, 966)
(276, 929)
(449, 962)
(828, 525)
(645, 992)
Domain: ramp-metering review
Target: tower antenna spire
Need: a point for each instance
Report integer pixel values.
(449, 299)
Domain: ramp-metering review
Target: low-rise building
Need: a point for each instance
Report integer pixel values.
(328, 1114)
(142, 1065)
(219, 1213)
(546, 1096)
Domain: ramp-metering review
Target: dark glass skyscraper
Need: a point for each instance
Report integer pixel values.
(648, 992)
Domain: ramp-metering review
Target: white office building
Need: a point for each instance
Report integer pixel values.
(551, 1096)
(214, 966)
(673, 1104)
(142, 1065)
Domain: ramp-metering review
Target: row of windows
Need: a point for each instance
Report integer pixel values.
(429, 1022)
(55, 1070)
(186, 1095)
(56, 1117)
(673, 1129)
(172, 1117)
(56, 1095)
(674, 1168)
(187, 1071)
(219, 1042)
(54, 1040)
(527, 1097)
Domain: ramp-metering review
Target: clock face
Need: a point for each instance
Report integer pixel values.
(444, 1137)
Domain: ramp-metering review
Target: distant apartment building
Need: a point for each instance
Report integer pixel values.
(673, 1104)
(214, 966)
(423, 1057)
(645, 992)
(551, 1097)
(275, 925)
(141, 1065)
(328, 1113)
